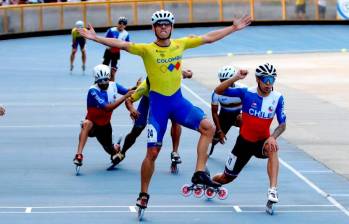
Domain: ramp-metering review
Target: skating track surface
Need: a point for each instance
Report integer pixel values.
(39, 135)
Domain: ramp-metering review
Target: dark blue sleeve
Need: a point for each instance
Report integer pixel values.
(280, 111)
(94, 100)
(128, 38)
(235, 92)
(121, 90)
(109, 34)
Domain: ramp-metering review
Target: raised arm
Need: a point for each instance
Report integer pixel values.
(111, 42)
(238, 24)
(242, 73)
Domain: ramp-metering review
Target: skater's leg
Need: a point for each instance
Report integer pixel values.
(86, 127)
(131, 137)
(72, 58)
(176, 131)
(148, 166)
(206, 130)
(83, 58)
(273, 168)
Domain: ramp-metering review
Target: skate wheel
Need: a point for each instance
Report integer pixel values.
(140, 213)
(198, 192)
(210, 193)
(174, 169)
(270, 208)
(222, 193)
(77, 170)
(186, 191)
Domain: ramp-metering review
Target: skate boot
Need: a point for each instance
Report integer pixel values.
(272, 199)
(71, 67)
(78, 163)
(142, 204)
(202, 178)
(83, 67)
(175, 159)
(118, 156)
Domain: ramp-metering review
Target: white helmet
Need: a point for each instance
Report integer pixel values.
(79, 24)
(265, 70)
(101, 72)
(227, 72)
(162, 15)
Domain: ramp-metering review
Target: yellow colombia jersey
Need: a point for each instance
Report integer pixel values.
(75, 33)
(142, 90)
(163, 64)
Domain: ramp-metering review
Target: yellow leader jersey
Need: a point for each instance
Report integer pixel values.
(142, 90)
(163, 64)
(75, 33)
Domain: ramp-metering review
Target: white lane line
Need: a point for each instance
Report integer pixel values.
(28, 210)
(315, 187)
(237, 208)
(297, 173)
(315, 171)
(55, 126)
(164, 206)
(132, 208)
(340, 195)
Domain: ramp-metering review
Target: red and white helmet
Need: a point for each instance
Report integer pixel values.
(162, 15)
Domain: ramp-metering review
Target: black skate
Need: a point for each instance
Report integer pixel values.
(202, 184)
(269, 208)
(116, 159)
(78, 163)
(175, 160)
(142, 204)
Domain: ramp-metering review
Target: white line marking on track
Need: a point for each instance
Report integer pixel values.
(340, 195)
(28, 210)
(237, 208)
(293, 170)
(315, 171)
(132, 208)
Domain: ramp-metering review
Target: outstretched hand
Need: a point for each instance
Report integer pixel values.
(88, 33)
(242, 22)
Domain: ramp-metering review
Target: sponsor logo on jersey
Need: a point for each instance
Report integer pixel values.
(254, 105)
(168, 60)
(259, 114)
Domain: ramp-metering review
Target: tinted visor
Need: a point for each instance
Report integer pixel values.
(267, 79)
(163, 22)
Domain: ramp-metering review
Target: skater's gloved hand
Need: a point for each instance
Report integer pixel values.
(270, 145)
(134, 114)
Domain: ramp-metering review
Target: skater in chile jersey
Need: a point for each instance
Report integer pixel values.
(259, 106)
(163, 60)
(103, 97)
(230, 108)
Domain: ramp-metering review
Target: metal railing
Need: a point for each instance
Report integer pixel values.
(61, 16)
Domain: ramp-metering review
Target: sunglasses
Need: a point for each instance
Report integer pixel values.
(103, 81)
(122, 23)
(164, 22)
(267, 79)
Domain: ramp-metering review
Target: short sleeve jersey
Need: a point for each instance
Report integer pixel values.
(227, 103)
(75, 33)
(258, 112)
(97, 100)
(113, 32)
(163, 64)
(142, 90)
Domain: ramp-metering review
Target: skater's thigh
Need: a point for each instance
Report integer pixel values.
(186, 114)
(157, 124)
(104, 137)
